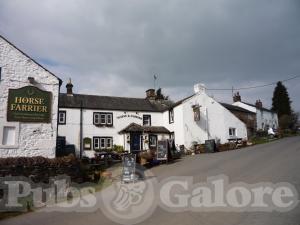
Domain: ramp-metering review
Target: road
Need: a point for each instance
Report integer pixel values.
(275, 162)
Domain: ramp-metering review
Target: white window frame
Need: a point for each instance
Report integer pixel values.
(232, 132)
(96, 141)
(171, 116)
(64, 113)
(104, 142)
(109, 116)
(109, 140)
(148, 120)
(17, 134)
(103, 116)
(96, 118)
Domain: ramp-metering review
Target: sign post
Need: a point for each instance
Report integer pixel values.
(29, 104)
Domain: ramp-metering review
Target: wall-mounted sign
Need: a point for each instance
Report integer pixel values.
(29, 104)
(196, 110)
(129, 116)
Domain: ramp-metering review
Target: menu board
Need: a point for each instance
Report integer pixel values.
(162, 150)
(129, 163)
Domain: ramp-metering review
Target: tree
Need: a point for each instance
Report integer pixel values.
(160, 95)
(281, 101)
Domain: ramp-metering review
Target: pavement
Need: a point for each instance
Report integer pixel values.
(275, 162)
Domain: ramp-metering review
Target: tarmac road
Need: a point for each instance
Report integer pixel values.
(275, 162)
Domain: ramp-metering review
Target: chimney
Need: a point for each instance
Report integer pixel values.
(258, 104)
(237, 97)
(150, 94)
(199, 88)
(69, 87)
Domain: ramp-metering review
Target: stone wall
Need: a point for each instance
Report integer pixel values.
(32, 139)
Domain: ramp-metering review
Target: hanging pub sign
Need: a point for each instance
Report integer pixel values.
(196, 110)
(29, 104)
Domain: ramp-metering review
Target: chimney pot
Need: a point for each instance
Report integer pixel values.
(150, 94)
(258, 104)
(69, 87)
(237, 97)
(199, 88)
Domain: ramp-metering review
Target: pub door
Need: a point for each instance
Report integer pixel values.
(135, 142)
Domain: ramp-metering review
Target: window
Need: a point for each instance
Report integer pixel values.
(109, 143)
(232, 132)
(103, 143)
(9, 136)
(152, 140)
(109, 119)
(96, 144)
(171, 116)
(103, 119)
(62, 117)
(0, 73)
(146, 120)
(96, 118)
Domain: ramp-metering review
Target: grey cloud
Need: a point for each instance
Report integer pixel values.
(114, 47)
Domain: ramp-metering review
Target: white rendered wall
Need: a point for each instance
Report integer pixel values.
(32, 139)
(72, 128)
(262, 116)
(215, 121)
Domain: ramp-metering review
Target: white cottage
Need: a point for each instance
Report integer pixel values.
(265, 118)
(200, 117)
(98, 122)
(28, 105)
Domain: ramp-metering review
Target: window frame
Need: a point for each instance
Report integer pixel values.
(101, 119)
(150, 137)
(232, 134)
(102, 142)
(171, 112)
(64, 112)
(16, 125)
(148, 116)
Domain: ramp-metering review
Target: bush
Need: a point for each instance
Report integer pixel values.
(40, 169)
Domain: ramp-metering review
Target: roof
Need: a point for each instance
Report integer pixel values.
(60, 81)
(235, 108)
(263, 108)
(112, 103)
(181, 101)
(133, 127)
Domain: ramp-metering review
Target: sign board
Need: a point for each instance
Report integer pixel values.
(129, 163)
(162, 150)
(29, 104)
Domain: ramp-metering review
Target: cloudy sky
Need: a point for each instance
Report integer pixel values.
(114, 47)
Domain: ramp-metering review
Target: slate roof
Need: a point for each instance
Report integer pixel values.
(235, 108)
(112, 103)
(133, 127)
(265, 109)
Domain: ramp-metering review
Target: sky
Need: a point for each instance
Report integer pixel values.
(115, 47)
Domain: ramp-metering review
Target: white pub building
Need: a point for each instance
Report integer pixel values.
(96, 123)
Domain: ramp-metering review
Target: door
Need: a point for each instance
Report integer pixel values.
(135, 142)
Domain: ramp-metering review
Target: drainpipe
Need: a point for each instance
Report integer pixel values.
(207, 125)
(81, 132)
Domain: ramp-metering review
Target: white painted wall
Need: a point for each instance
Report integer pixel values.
(215, 121)
(72, 128)
(263, 117)
(31, 139)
